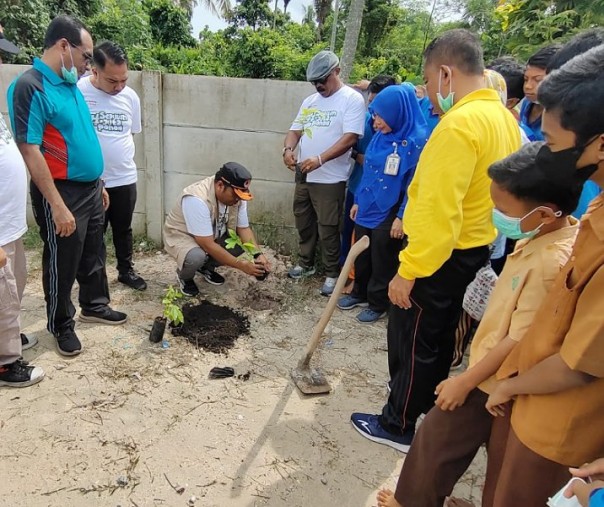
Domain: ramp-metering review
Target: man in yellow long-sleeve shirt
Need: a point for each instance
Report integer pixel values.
(448, 227)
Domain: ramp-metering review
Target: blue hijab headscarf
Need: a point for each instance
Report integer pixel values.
(399, 108)
(378, 193)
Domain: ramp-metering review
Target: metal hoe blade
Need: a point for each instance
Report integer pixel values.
(310, 381)
(307, 379)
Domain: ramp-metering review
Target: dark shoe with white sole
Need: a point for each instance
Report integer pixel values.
(68, 343)
(20, 374)
(105, 316)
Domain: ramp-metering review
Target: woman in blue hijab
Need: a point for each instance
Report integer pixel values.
(390, 160)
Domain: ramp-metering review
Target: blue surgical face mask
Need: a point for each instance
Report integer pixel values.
(511, 227)
(445, 103)
(71, 75)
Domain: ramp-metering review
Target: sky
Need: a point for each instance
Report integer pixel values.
(203, 17)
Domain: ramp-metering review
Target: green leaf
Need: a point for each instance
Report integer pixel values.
(230, 244)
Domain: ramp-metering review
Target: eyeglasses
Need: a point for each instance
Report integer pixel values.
(321, 81)
(87, 56)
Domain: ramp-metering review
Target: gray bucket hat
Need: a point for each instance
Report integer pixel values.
(321, 65)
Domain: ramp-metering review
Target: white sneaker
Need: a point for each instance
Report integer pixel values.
(27, 342)
(328, 286)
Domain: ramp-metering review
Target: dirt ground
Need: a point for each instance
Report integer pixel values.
(129, 423)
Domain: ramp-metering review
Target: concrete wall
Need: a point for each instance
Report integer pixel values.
(193, 124)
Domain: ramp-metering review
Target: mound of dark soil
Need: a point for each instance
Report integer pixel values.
(212, 327)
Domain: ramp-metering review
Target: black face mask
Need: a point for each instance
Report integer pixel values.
(563, 163)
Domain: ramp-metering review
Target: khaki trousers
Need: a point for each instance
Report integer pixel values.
(318, 210)
(12, 285)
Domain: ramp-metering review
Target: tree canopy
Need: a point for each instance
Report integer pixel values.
(264, 42)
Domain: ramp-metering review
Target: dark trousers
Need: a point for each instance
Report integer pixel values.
(347, 227)
(318, 212)
(79, 256)
(421, 340)
(119, 214)
(376, 266)
(445, 445)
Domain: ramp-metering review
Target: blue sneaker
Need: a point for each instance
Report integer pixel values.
(369, 316)
(369, 426)
(350, 301)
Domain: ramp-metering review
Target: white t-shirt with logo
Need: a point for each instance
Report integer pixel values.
(323, 121)
(199, 221)
(13, 188)
(115, 119)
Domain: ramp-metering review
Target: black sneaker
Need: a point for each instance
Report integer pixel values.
(27, 342)
(104, 316)
(212, 277)
(188, 287)
(68, 343)
(131, 279)
(20, 374)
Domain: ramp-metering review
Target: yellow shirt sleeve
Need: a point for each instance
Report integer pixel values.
(433, 217)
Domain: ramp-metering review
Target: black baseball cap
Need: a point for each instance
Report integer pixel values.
(6, 45)
(237, 177)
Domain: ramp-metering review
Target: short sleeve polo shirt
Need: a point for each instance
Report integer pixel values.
(566, 426)
(47, 111)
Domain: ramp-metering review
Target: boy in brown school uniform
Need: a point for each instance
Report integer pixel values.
(556, 374)
(531, 208)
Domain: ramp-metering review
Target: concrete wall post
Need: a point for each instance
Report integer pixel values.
(152, 112)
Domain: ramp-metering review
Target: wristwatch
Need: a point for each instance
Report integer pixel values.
(285, 148)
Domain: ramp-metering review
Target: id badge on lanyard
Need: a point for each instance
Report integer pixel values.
(221, 221)
(392, 162)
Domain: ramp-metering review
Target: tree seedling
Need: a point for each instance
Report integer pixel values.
(234, 241)
(249, 250)
(172, 311)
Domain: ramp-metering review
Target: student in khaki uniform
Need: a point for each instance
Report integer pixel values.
(536, 213)
(556, 374)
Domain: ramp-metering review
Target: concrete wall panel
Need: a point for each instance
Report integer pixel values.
(238, 104)
(196, 151)
(192, 125)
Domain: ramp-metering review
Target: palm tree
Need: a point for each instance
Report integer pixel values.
(351, 38)
(219, 8)
(322, 8)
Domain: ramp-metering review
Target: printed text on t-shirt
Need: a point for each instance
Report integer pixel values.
(109, 122)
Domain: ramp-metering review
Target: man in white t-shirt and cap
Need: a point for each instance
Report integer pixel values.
(116, 115)
(198, 224)
(14, 372)
(328, 125)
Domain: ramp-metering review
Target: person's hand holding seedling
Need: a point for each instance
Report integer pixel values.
(252, 261)
(264, 262)
(251, 268)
